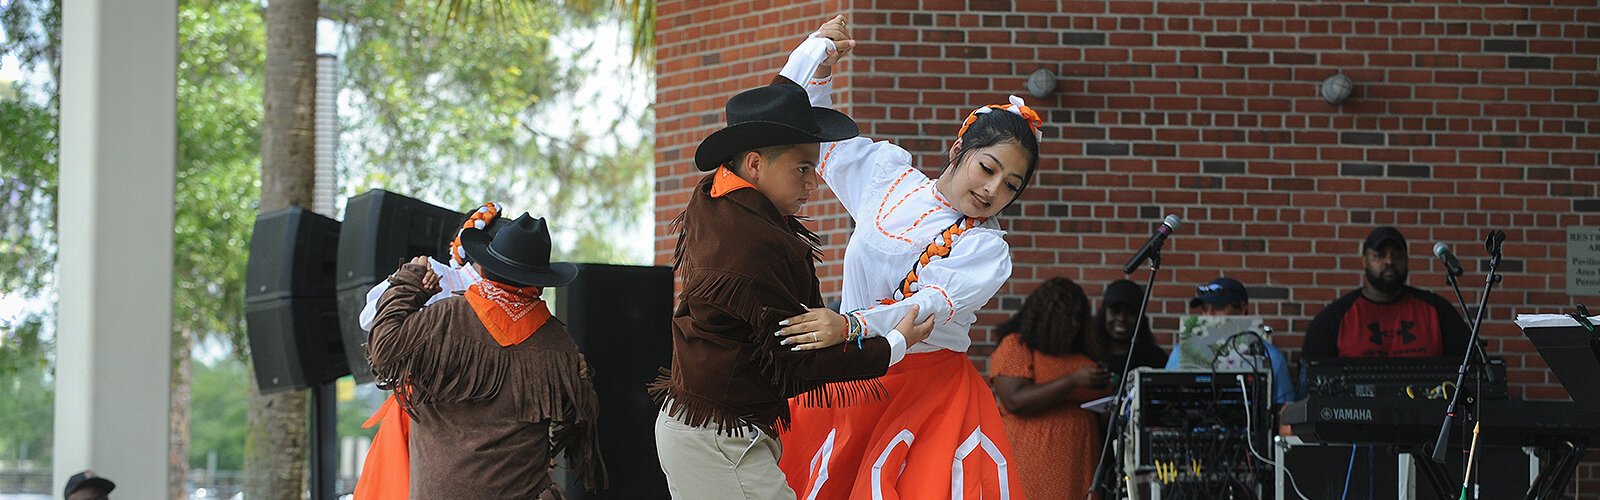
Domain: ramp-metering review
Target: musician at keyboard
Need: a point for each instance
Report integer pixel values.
(1386, 318)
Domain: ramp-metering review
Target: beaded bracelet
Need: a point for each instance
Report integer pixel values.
(856, 331)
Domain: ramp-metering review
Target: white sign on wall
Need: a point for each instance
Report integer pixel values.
(1583, 261)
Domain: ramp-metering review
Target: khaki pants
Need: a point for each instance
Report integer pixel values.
(701, 464)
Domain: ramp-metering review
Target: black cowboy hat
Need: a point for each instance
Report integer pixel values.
(520, 252)
(774, 115)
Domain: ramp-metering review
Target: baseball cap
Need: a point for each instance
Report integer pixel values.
(1220, 291)
(87, 479)
(1381, 235)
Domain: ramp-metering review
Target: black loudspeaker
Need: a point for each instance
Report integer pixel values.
(382, 230)
(621, 318)
(290, 312)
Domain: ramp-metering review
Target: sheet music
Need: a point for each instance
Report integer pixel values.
(1550, 320)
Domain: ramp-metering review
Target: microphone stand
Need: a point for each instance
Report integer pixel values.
(1442, 444)
(1114, 418)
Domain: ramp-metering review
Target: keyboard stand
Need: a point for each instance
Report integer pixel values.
(1554, 475)
(1438, 478)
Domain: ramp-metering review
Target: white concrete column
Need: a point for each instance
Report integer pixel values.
(114, 319)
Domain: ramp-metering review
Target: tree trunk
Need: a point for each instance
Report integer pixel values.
(178, 423)
(275, 452)
(288, 134)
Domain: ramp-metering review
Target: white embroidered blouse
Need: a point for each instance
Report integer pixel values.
(452, 281)
(897, 213)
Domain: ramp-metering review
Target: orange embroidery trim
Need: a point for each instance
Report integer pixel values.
(878, 220)
(866, 331)
(949, 317)
(822, 167)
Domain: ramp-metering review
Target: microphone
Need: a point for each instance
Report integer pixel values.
(1153, 245)
(1491, 244)
(1451, 265)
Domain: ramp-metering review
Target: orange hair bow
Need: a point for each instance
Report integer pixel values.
(1017, 107)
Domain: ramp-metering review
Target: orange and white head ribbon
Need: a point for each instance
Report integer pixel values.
(1017, 107)
(480, 219)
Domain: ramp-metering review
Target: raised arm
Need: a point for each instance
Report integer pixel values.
(849, 167)
(399, 333)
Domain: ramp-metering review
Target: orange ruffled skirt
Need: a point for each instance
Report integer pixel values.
(938, 435)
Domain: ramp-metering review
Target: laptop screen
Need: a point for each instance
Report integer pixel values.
(1226, 343)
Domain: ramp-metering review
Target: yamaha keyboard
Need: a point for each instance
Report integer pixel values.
(1400, 421)
(1395, 377)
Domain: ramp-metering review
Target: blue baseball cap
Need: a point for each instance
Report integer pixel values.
(1220, 292)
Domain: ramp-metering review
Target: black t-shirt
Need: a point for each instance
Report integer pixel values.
(1419, 324)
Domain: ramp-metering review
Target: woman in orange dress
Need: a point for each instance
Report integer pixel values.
(1041, 375)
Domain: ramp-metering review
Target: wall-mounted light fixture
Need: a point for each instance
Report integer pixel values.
(1336, 89)
(1042, 83)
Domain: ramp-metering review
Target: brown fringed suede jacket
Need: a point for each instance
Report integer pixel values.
(488, 420)
(744, 266)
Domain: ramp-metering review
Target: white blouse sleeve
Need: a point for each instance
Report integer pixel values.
(451, 281)
(849, 167)
(856, 168)
(952, 287)
(803, 64)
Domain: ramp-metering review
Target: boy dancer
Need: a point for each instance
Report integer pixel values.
(747, 263)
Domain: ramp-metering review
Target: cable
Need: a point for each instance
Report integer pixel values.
(1250, 443)
(1348, 469)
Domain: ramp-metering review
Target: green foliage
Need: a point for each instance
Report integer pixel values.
(33, 35)
(218, 173)
(462, 101)
(355, 412)
(29, 185)
(217, 413)
(28, 188)
(29, 404)
(483, 110)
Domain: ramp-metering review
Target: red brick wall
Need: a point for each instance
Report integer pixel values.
(1466, 116)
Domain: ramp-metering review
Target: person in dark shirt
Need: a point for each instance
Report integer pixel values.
(1385, 317)
(1113, 334)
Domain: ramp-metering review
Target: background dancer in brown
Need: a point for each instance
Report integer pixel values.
(495, 387)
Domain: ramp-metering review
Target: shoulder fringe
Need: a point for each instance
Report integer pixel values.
(546, 384)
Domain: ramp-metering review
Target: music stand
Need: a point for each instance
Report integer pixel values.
(1571, 351)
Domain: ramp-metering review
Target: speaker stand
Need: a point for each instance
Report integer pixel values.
(324, 445)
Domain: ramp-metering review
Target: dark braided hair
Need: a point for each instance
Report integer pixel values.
(1053, 318)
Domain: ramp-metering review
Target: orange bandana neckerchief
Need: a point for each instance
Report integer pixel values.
(727, 182)
(510, 314)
